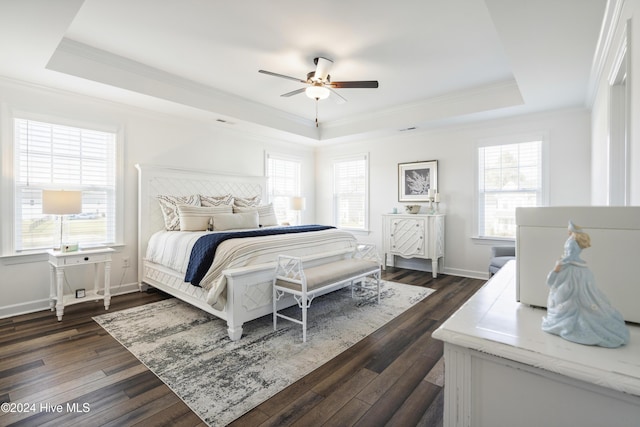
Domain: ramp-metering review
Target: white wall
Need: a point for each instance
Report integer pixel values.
(149, 137)
(569, 174)
(155, 138)
(628, 21)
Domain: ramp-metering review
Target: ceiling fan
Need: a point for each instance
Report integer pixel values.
(319, 84)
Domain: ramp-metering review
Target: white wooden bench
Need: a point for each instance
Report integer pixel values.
(291, 277)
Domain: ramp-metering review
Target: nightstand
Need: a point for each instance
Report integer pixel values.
(59, 261)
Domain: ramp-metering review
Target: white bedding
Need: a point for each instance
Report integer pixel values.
(173, 248)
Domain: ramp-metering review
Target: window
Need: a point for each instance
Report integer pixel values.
(509, 176)
(283, 184)
(350, 193)
(56, 157)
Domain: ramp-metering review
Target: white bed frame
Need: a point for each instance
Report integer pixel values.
(249, 289)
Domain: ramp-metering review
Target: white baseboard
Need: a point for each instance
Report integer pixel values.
(425, 265)
(472, 274)
(24, 308)
(43, 304)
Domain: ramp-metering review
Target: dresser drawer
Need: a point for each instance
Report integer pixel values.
(85, 259)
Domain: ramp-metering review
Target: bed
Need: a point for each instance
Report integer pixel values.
(237, 287)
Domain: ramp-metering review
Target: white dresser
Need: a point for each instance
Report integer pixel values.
(413, 236)
(501, 369)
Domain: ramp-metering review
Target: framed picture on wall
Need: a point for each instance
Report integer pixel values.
(416, 179)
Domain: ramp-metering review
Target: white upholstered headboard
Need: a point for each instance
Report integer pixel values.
(155, 180)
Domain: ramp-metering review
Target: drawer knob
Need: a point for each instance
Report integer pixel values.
(86, 258)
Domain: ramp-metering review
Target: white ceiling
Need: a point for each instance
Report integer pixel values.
(437, 61)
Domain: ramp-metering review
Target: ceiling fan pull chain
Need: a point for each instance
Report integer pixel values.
(317, 112)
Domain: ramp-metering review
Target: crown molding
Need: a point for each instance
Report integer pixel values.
(610, 23)
(81, 60)
(461, 103)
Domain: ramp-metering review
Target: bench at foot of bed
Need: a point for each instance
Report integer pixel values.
(307, 283)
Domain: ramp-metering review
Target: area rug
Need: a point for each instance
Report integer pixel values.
(220, 379)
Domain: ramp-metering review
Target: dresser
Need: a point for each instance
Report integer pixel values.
(501, 369)
(413, 236)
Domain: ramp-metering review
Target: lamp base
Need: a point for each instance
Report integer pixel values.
(69, 247)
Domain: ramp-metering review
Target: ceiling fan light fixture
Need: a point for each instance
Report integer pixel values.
(317, 92)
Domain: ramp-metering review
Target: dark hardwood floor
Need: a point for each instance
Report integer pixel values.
(393, 377)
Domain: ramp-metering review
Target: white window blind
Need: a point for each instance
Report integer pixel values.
(510, 176)
(350, 190)
(56, 157)
(283, 184)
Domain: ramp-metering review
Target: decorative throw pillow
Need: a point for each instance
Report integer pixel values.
(196, 218)
(235, 221)
(169, 208)
(245, 202)
(266, 214)
(227, 199)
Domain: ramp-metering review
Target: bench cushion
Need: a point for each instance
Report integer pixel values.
(333, 272)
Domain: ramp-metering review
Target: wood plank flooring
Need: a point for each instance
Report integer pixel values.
(73, 373)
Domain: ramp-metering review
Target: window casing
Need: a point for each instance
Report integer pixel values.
(283, 183)
(509, 176)
(351, 193)
(60, 157)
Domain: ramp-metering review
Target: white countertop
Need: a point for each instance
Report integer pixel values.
(493, 322)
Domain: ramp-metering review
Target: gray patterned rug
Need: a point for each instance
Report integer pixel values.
(220, 379)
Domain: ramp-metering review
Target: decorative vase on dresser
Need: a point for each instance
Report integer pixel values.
(413, 236)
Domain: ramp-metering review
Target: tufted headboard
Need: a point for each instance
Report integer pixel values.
(155, 180)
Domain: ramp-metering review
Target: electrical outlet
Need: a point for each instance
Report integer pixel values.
(126, 262)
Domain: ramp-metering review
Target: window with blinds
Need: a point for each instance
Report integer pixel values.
(510, 176)
(283, 183)
(350, 193)
(56, 157)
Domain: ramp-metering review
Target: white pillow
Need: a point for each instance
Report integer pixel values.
(266, 214)
(196, 218)
(169, 208)
(235, 221)
(245, 202)
(227, 199)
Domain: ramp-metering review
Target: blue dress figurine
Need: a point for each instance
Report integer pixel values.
(576, 309)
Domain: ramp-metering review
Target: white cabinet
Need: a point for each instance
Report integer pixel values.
(413, 236)
(501, 369)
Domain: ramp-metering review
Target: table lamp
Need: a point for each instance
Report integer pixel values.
(297, 204)
(61, 202)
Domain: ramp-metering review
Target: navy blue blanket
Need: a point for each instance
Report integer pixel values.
(205, 247)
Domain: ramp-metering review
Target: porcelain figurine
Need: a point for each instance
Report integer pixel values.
(576, 309)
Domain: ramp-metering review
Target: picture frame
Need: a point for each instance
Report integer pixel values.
(80, 293)
(415, 179)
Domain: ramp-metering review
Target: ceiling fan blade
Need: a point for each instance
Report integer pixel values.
(338, 98)
(366, 84)
(323, 66)
(294, 92)
(282, 76)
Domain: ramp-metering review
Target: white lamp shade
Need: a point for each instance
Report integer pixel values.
(317, 92)
(297, 203)
(60, 202)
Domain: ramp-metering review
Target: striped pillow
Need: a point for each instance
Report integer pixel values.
(266, 214)
(227, 199)
(246, 202)
(169, 208)
(196, 218)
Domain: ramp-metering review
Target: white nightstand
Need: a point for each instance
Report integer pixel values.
(58, 261)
